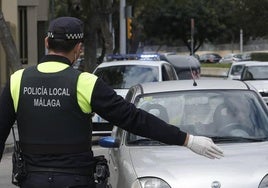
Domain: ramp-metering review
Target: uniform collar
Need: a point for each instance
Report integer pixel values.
(56, 58)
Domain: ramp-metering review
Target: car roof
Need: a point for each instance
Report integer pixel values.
(132, 62)
(183, 60)
(244, 62)
(259, 63)
(184, 85)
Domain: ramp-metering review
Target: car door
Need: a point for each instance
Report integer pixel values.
(114, 158)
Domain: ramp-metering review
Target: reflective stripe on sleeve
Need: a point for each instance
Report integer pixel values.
(85, 86)
(15, 82)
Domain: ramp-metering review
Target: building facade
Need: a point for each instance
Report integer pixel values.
(28, 21)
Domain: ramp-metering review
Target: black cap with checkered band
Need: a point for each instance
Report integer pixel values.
(66, 28)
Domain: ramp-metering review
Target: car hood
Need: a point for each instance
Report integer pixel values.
(260, 85)
(244, 165)
(234, 77)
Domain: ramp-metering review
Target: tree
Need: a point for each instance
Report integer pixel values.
(217, 21)
(251, 16)
(168, 22)
(95, 14)
(9, 46)
(161, 22)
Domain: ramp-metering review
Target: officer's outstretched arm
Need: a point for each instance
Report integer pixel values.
(203, 146)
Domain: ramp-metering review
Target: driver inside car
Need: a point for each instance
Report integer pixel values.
(233, 117)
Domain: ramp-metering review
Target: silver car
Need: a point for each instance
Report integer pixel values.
(231, 58)
(228, 111)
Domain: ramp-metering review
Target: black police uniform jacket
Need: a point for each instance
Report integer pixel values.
(51, 122)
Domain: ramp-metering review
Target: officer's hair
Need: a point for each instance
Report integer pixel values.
(60, 45)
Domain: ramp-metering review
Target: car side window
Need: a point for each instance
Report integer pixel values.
(168, 73)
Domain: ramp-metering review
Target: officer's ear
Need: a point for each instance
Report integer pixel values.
(46, 42)
(78, 48)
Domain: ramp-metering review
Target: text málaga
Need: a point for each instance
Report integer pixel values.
(47, 102)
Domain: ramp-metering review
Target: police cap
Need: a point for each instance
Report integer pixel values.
(66, 28)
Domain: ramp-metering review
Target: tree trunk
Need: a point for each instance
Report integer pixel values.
(90, 36)
(107, 35)
(104, 10)
(9, 46)
(90, 45)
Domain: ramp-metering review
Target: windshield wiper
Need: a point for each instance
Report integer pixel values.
(218, 139)
(145, 141)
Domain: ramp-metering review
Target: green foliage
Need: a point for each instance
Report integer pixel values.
(168, 22)
(259, 56)
(252, 17)
(216, 21)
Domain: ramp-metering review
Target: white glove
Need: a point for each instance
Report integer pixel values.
(204, 146)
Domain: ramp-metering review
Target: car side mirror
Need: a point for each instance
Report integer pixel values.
(109, 142)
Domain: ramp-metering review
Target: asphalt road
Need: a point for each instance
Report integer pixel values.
(5, 171)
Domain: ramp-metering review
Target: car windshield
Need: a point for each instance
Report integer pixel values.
(226, 115)
(125, 76)
(237, 69)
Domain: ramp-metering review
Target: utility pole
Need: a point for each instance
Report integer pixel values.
(122, 32)
(128, 10)
(241, 5)
(192, 36)
(241, 40)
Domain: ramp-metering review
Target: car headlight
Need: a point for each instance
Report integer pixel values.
(150, 182)
(264, 182)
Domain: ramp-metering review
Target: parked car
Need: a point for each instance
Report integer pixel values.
(121, 75)
(187, 67)
(247, 56)
(231, 58)
(256, 74)
(229, 111)
(210, 58)
(234, 72)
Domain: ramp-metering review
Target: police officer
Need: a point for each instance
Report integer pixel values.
(52, 103)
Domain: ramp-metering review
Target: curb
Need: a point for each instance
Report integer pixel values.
(214, 72)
